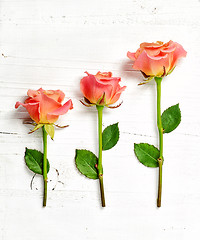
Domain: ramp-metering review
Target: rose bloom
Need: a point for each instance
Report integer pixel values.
(45, 106)
(157, 59)
(101, 89)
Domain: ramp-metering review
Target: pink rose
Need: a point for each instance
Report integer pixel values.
(157, 59)
(101, 89)
(45, 106)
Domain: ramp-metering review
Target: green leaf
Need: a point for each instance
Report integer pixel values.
(49, 128)
(171, 118)
(34, 161)
(85, 162)
(147, 154)
(110, 137)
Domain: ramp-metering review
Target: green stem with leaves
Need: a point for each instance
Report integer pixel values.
(100, 167)
(44, 165)
(160, 130)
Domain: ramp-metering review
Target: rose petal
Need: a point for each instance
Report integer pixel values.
(57, 95)
(131, 56)
(157, 44)
(47, 105)
(33, 110)
(93, 89)
(30, 100)
(178, 53)
(33, 93)
(117, 95)
(107, 79)
(63, 109)
(152, 49)
(170, 48)
(113, 81)
(152, 58)
(102, 75)
(151, 66)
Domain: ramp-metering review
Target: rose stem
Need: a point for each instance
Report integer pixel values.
(45, 165)
(160, 129)
(99, 167)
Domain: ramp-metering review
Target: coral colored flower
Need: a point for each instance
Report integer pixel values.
(101, 89)
(45, 106)
(157, 59)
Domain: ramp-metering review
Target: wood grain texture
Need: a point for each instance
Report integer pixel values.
(50, 44)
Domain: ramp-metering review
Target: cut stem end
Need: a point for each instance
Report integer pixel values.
(102, 191)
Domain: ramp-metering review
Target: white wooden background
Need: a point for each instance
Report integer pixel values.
(49, 44)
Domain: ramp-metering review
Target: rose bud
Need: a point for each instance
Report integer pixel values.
(44, 107)
(101, 89)
(157, 59)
